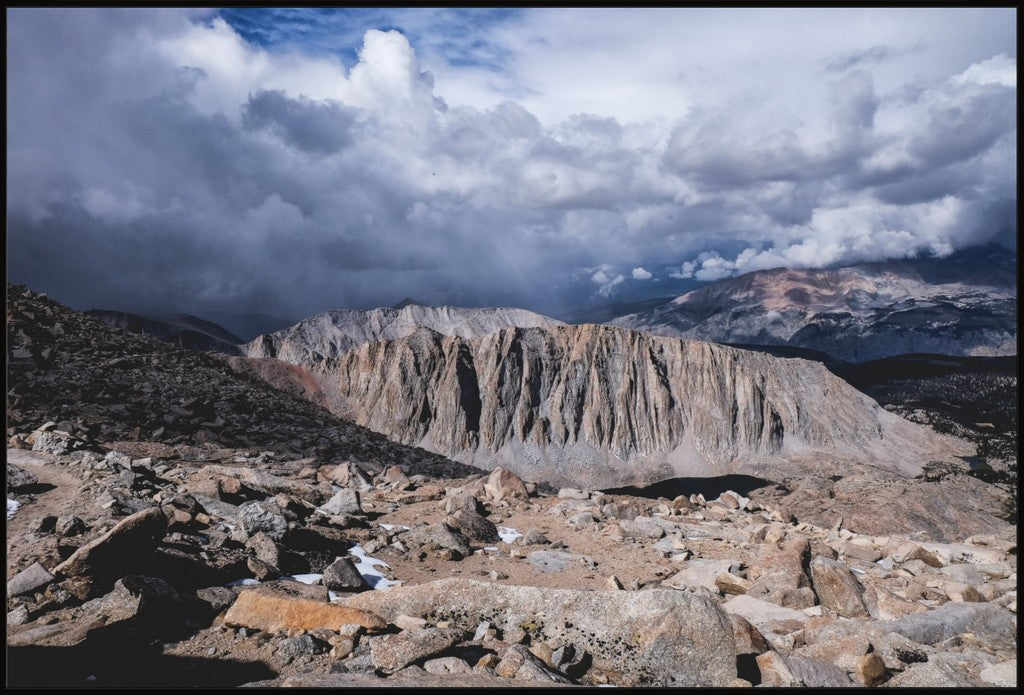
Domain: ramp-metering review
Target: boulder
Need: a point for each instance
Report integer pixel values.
(343, 502)
(273, 612)
(139, 606)
(699, 573)
(262, 517)
(991, 625)
(779, 576)
(393, 652)
(18, 478)
(761, 614)
(474, 526)
(342, 575)
(654, 637)
(504, 485)
(837, 589)
(28, 580)
(438, 536)
(519, 663)
(123, 549)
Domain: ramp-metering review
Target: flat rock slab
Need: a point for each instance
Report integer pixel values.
(990, 624)
(275, 612)
(761, 614)
(656, 637)
(550, 560)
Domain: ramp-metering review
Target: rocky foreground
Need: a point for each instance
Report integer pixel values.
(208, 566)
(173, 522)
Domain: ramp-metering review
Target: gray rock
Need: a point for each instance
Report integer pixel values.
(18, 478)
(699, 573)
(447, 664)
(303, 645)
(535, 537)
(438, 536)
(517, 662)
(393, 652)
(991, 625)
(940, 671)
(217, 597)
(343, 502)
(342, 575)
(261, 516)
(69, 526)
(817, 674)
(33, 577)
(837, 589)
(550, 560)
(265, 548)
(641, 529)
(474, 526)
(651, 637)
(897, 651)
(1003, 675)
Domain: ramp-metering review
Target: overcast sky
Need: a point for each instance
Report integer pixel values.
(285, 162)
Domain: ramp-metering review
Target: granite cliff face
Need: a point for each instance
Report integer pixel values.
(599, 406)
(857, 313)
(336, 332)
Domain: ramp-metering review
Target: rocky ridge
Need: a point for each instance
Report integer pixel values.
(334, 333)
(602, 406)
(857, 313)
(183, 330)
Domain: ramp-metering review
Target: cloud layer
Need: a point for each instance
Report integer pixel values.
(159, 160)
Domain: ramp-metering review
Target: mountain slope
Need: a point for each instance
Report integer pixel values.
(77, 371)
(600, 406)
(963, 305)
(183, 330)
(335, 332)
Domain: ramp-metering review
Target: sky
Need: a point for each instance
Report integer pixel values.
(282, 162)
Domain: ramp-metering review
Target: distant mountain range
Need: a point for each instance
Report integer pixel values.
(964, 304)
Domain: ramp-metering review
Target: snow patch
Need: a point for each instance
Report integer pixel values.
(392, 527)
(247, 581)
(508, 534)
(304, 578)
(367, 566)
(12, 507)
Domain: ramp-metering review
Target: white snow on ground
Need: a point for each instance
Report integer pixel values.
(304, 578)
(12, 507)
(367, 567)
(392, 527)
(508, 534)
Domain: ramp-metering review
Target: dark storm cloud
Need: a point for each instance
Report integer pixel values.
(159, 162)
(317, 128)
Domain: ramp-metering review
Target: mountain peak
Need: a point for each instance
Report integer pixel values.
(408, 301)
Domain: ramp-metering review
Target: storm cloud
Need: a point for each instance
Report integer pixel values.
(158, 160)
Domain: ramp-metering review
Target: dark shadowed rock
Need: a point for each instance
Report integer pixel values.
(342, 575)
(125, 548)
